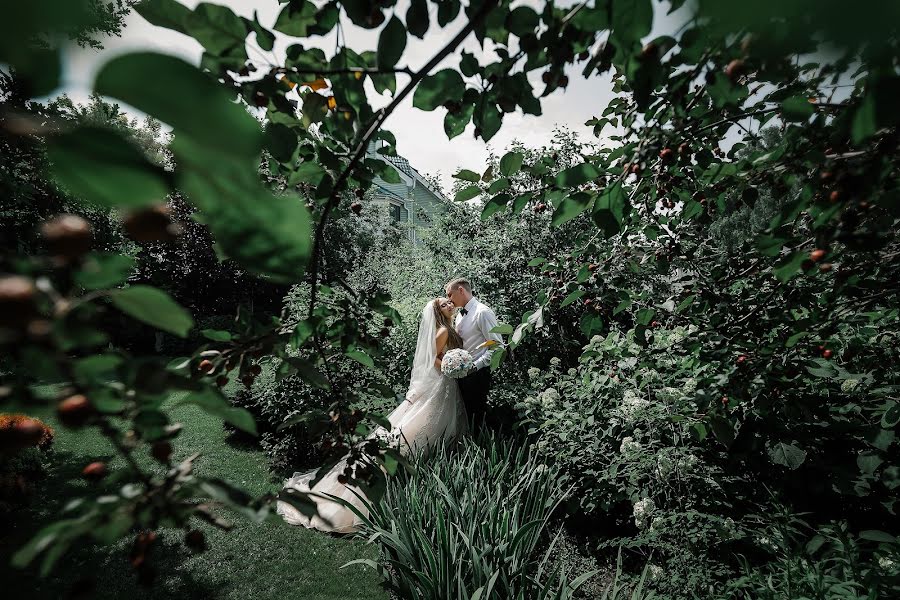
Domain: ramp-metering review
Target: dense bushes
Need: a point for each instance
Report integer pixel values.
(24, 442)
(469, 523)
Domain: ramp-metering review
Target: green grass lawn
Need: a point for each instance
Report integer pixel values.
(268, 560)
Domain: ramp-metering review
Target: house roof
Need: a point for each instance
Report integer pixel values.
(407, 169)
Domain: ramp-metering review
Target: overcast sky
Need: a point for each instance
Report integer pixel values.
(420, 135)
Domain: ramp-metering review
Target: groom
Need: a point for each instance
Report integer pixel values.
(474, 323)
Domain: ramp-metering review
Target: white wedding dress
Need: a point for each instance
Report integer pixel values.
(433, 410)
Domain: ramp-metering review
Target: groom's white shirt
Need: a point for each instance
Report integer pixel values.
(475, 328)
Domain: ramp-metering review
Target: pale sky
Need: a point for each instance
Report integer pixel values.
(420, 135)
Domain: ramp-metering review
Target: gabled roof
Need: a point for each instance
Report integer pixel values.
(404, 167)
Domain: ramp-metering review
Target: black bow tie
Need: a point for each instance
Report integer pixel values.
(463, 312)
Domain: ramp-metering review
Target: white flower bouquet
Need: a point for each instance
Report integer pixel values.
(456, 363)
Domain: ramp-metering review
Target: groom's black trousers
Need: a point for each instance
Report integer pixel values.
(474, 390)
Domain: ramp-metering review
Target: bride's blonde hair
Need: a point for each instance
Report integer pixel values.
(453, 338)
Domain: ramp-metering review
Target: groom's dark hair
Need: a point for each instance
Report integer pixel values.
(460, 282)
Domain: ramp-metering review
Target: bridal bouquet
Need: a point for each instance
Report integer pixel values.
(456, 363)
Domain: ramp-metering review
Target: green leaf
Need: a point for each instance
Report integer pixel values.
(216, 335)
(488, 118)
(153, 307)
(164, 13)
(792, 341)
(216, 405)
(499, 185)
(100, 167)
(447, 11)
(417, 18)
(467, 193)
(572, 297)
(495, 204)
(645, 316)
(268, 234)
(296, 19)
(511, 163)
(265, 39)
(467, 175)
(43, 539)
(436, 89)
(787, 455)
(386, 171)
(571, 206)
(104, 270)
(191, 102)
(891, 416)
(308, 372)
(874, 535)
(534, 262)
(577, 175)
(391, 44)
(685, 303)
(877, 109)
(789, 267)
(522, 20)
(97, 367)
(502, 329)
(216, 27)
(590, 324)
(797, 108)
(361, 357)
(610, 209)
(307, 172)
(455, 122)
(631, 21)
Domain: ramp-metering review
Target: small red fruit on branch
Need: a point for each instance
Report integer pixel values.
(735, 69)
(356, 207)
(75, 410)
(153, 224)
(67, 236)
(742, 359)
(826, 354)
(17, 295)
(206, 366)
(666, 154)
(221, 381)
(817, 255)
(141, 547)
(94, 471)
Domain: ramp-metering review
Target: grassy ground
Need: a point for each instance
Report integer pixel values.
(268, 560)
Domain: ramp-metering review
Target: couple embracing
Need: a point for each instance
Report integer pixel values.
(436, 406)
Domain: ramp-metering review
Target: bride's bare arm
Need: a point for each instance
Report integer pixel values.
(440, 343)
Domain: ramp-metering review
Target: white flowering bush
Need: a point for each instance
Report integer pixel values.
(630, 448)
(643, 512)
(624, 431)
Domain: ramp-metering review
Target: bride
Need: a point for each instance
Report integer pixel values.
(431, 411)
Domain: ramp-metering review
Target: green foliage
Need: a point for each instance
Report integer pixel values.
(468, 524)
(762, 253)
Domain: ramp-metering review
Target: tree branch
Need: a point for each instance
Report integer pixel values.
(360, 149)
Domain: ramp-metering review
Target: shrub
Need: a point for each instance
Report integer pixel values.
(23, 456)
(471, 518)
(39, 436)
(794, 560)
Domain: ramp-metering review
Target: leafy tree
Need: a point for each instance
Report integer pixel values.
(643, 206)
